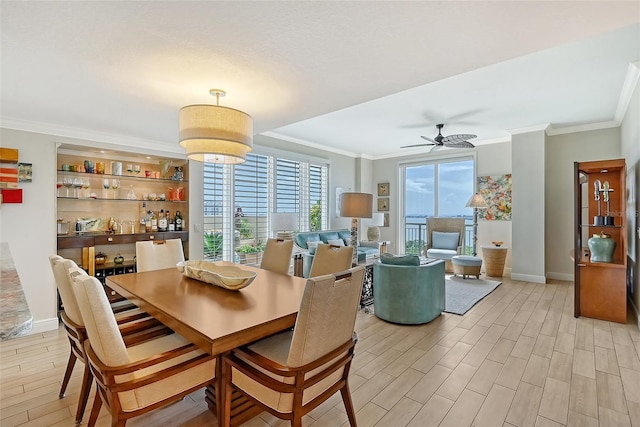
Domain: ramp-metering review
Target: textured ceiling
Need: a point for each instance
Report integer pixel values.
(361, 77)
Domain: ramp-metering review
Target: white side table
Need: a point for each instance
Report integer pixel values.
(493, 257)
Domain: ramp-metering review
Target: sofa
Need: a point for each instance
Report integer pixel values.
(307, 241)
(407, 292)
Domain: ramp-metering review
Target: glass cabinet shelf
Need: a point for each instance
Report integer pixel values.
(107, 175)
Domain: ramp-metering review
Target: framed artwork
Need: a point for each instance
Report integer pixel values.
(25, 172)
(496, 190)
(386, 219)
(339, 191)
(383, 189)
(383, 204)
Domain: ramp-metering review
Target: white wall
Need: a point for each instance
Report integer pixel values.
(528, 221)
(495, 159)
(30, 229)
(630, 148)
(561, 152)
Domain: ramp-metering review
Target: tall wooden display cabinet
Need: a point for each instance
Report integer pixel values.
(600, 286)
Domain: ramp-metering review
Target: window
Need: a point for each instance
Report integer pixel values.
(239, 200)
(440, 188)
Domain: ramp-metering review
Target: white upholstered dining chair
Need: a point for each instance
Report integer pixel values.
(291, 373)
(135, 380)
(277, 255)
(152, 255)
(331, 259)
(134, 324)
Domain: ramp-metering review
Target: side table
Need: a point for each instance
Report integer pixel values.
(494, 257)
(366, 297)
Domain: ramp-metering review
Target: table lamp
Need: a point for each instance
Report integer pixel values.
(284, 224)
(476, 202)
(374, 224)
(356, 205)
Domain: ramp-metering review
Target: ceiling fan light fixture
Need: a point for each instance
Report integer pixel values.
(215, 134)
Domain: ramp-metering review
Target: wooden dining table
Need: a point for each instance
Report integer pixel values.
(215, 319)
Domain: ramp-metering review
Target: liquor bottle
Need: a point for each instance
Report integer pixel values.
(178, 221)
(143, 218)
(171, 221)
(162, 221)
(154, 221)
(147, 220)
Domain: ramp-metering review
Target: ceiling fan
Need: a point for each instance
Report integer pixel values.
(453, 141)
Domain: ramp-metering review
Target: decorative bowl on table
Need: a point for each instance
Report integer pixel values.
(498, 244)
(227, 277)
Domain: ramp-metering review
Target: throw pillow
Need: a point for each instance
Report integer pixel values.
(399, 259)
(440, 240)
(336, 242)
(312, 247)
(347, 241)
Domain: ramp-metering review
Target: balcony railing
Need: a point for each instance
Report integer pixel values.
(415, 238)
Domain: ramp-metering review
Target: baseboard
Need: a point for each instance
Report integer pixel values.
(45, 325)
(560, 276)
(636, 312)
(528, 278)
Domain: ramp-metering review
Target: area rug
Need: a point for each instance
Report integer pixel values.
(462, 294)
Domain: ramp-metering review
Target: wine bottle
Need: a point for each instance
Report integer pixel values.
(178, 221)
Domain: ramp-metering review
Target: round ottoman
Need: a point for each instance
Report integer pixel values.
(466, 265)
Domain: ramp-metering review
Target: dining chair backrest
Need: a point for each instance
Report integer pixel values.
(100, 322)
(331, 259)
(69, 302)
(327, 315)
(277, 255)
(158, 255)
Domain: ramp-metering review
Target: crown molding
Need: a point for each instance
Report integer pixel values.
(534, 128)
(628, 87)
(116, 141)
(315, 145)
(551, 131)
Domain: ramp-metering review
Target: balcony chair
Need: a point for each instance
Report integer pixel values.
(134, 324)
(331, 259)
(445, 239)
(158, 255)
(290, 373)
(277, 255)
(135, 380)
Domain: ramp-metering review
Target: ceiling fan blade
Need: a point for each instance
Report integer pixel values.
(429, 139)
(461, 137)
(416, 145)
(459, 144)
(436, 148)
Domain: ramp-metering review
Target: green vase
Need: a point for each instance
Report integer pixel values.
(601, 247)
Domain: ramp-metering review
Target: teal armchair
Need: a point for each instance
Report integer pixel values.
(408, 294)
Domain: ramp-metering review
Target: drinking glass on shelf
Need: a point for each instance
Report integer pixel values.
(136, 169)
(85, 186)
(115, 184)
(68, 183)
(77, 185)
(105, 185)
(58, 185)
(129, 169)
(131, 195)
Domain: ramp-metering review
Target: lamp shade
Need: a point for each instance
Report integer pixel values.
(211, 133)
(284, 221)
(377, 220)
(476, 201)
(356, 205)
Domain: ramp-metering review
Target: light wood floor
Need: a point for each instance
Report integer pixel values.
(519, 358)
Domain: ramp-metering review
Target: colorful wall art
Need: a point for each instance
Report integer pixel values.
(496, 190)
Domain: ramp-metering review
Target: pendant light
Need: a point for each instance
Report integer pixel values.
(215, 134)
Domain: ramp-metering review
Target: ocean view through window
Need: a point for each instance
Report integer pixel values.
(437, 188)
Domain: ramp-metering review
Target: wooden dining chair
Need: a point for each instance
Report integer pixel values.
(135, 380)
(277, 255)
(134, 324)
(152, 255)
(331, 259)
(290, 373)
